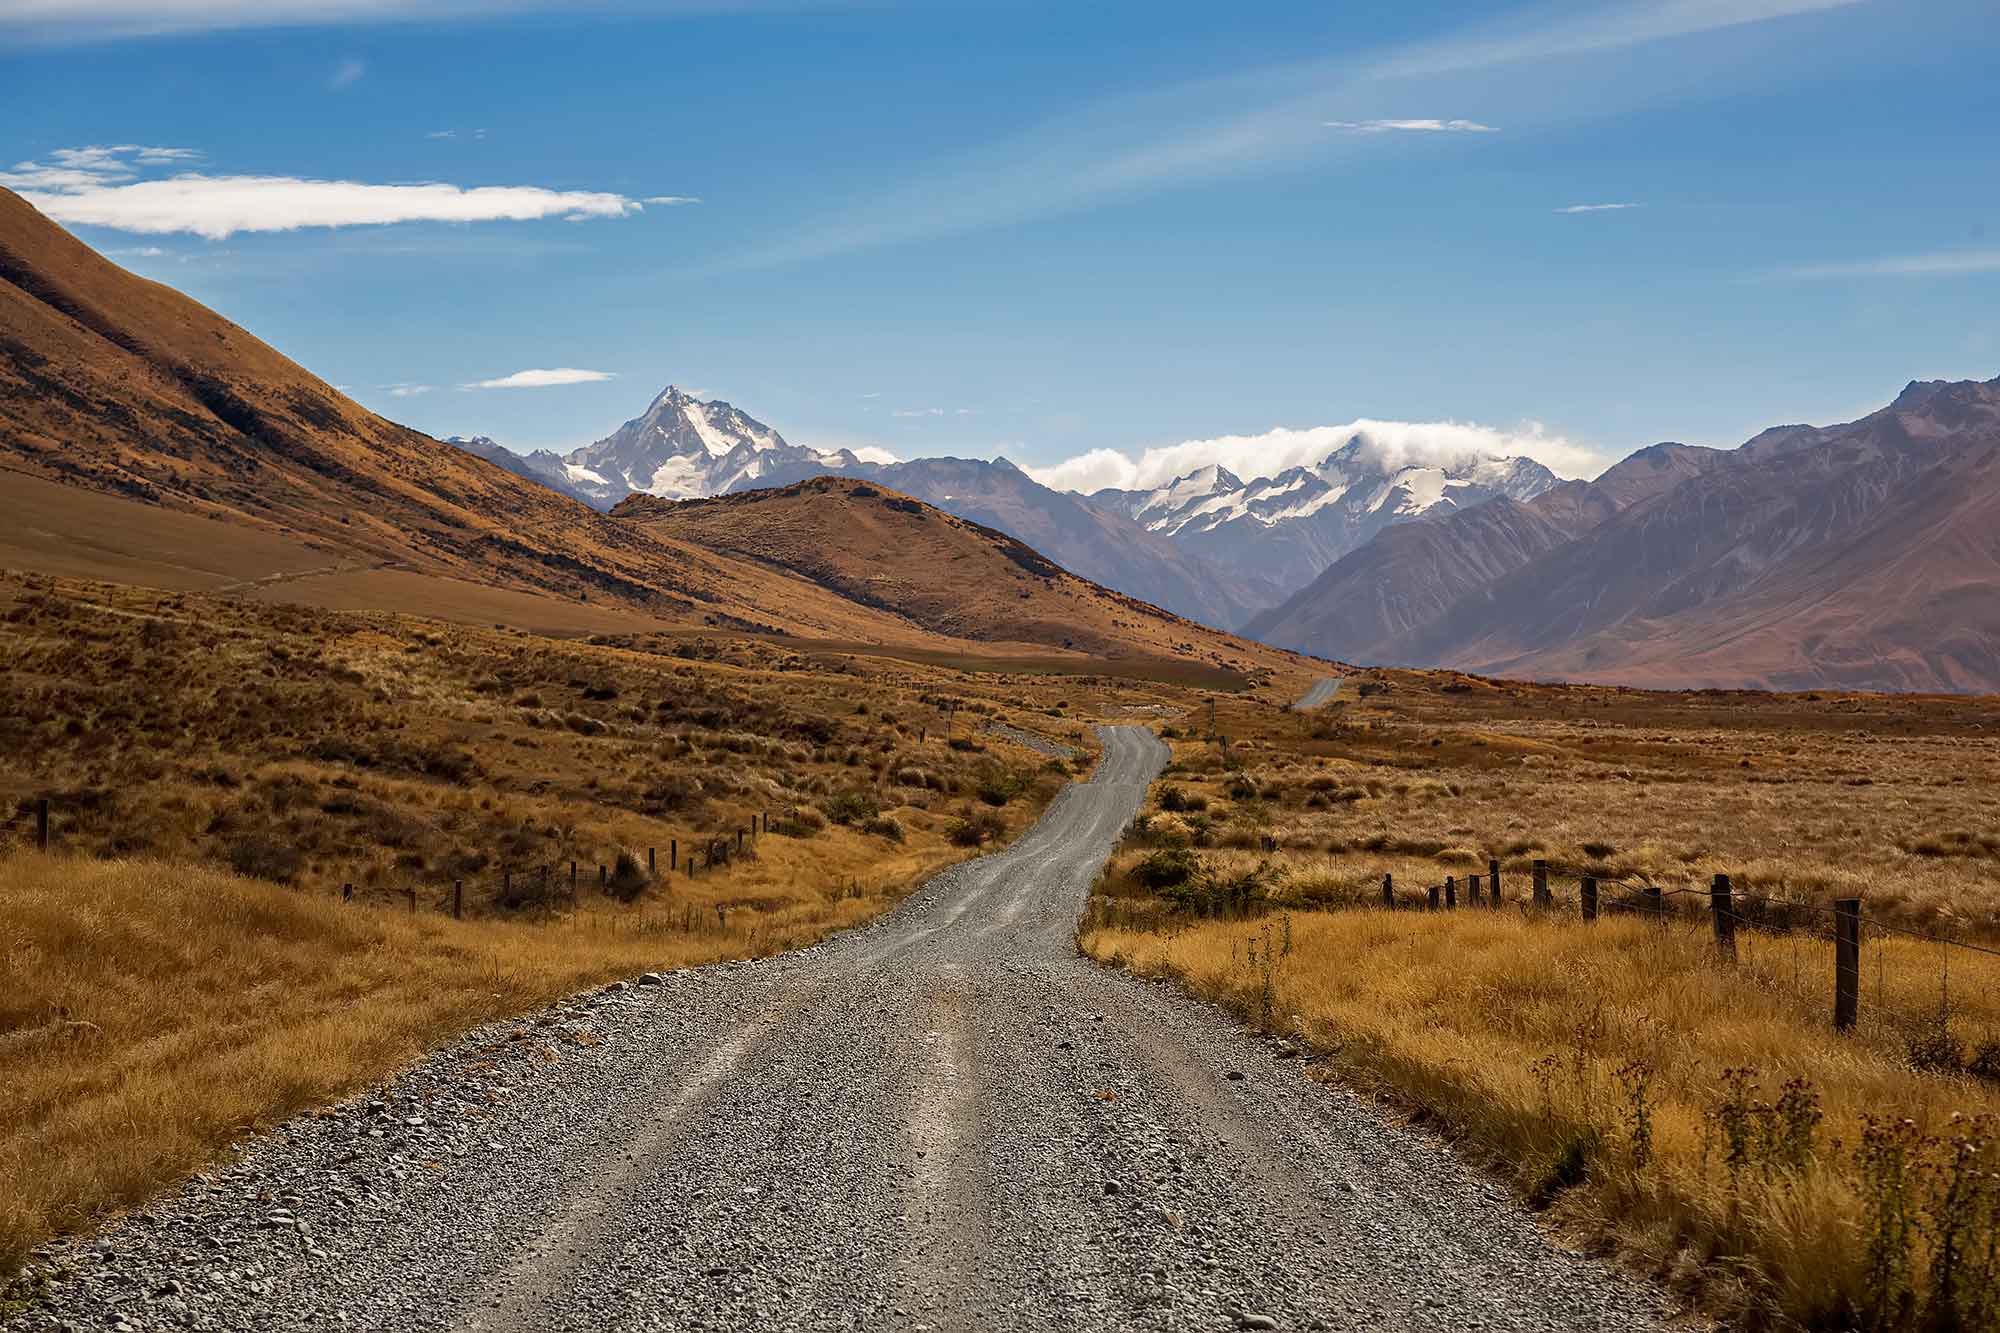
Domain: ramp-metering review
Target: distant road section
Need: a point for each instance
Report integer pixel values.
(1319, 694)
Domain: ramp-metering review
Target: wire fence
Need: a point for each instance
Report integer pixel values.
(1884, 974)
(534, 885)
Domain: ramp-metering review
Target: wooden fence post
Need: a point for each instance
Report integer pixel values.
(1588, 892)
(1432, 894)
(347, 893)
(1388, 893)
(413, 900)
(1450, 892)
(603, 877)
(1846, 962)
(739, 842)
(457, 899)
(1723, 908)
(1493, 879)
(1472, 889)
(1542, 898)
(572, 879)
(507, 887)
(42, 824)
(673, 855)
(652, 866)
(1655, 904)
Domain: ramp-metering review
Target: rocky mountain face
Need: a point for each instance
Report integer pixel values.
(1101, 545)
(680, 448)
(1277, 533)
(542, 465)
(1860, 556)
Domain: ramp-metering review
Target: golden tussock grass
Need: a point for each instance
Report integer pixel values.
(150, 1013)
(1703, 1120)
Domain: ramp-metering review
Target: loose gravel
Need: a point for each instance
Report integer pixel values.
(944, 1120)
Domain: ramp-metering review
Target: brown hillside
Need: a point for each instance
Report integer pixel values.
(947, 574)
(145, 439)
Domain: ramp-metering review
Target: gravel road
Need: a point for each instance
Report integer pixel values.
(945, 1120)
(1321, 691)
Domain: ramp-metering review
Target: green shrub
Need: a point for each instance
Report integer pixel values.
(850, 807)
(883, 826)
(1168, 868)
(975, 829)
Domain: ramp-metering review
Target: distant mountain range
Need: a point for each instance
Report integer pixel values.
(1207, 545)
(1858, 556)
(679, 448)
(1862, 556)
(1275, 533)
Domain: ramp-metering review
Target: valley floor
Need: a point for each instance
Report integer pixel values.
(943, 1120)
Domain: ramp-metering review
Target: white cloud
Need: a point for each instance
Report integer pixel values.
(965, 412)
(1937, 264)
(917, 412)
(347, 73)
(1420, 126)
(138, 252)
(874, 453)
(543, 379)
(1595, 208)
(221, 206)
(83, 168)
(407, 390)
(870, 395)
(671, 200)
(1393, 443)
(87, 20)
(95, 186)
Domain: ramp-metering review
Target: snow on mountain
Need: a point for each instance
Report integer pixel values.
(1286, 528)
(680, 448)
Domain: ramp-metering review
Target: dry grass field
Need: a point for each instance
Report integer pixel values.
(183, 965)
(1703, 1120)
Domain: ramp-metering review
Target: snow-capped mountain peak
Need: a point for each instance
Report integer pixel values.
(1293, 524)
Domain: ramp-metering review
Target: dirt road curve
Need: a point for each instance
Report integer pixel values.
(947, 1120)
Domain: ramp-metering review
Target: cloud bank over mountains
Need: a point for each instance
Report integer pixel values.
(1392, 443)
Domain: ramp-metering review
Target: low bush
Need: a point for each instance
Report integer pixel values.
(882, 826)
(975, 828)
(850, 807)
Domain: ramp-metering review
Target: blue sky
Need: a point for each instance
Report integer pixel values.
(1054, 231)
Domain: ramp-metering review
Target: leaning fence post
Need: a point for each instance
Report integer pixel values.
(457, 899)
(1846, 962)
(1723, 909)
(42, 824)
(1588, 892)
(1450, 892)
(1542, 898)
(1493, 879)
(1388, 893)
(1656, 904)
